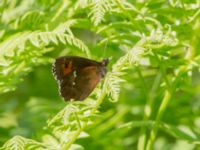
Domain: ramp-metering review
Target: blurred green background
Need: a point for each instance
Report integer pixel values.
(153, 47)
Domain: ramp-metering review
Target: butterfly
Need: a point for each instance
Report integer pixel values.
(77, 76)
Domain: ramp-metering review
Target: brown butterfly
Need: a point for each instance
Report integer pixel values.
(77, 76)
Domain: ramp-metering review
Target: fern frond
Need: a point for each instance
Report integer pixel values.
(131, 58)
(114, 79)
(12, 13)
(38, 39)
(99, 8)
(20, 143)
(80, 4)
(15, 143)
(68, 123)
(65, 26)
(15, 51)
(9, 46)
(30, 20)
(68, 114)
(47, 37)
(73, 118)
(112, 85)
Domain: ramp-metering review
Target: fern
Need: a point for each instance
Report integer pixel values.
(65, 26)
(14, 11)
(99, 8)
(19, 143)
(30, 20)
(73, 119)
(133, 57)
(39, 40)
(47, 37)
(155, 60)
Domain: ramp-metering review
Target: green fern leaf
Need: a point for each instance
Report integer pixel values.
(30, 20)
(21, 143)
(16, 143)
(99, 8)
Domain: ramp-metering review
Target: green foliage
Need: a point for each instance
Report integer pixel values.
(20, 143)
(153, 74)
(99, 9)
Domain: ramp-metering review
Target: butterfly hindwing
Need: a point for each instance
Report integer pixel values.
(87, 81)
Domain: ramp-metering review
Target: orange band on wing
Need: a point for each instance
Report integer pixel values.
(67, 69)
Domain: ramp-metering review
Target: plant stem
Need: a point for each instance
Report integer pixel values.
(60, 11)
(147, 112)
(161, 110)
(67, 145)
(142, 138)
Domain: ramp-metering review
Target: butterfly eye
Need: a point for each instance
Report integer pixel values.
(105, 61)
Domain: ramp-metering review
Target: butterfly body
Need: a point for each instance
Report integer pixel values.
(77, 76)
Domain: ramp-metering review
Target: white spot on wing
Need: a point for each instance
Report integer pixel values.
(59, 86)
(75, 75)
